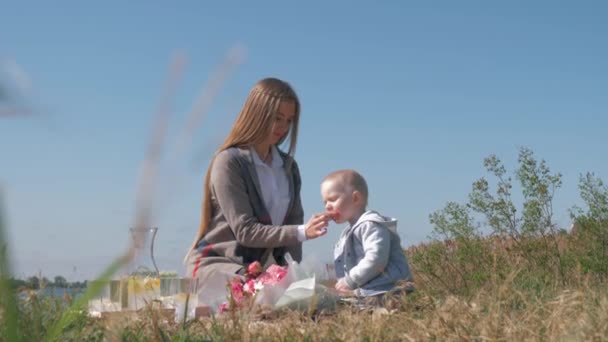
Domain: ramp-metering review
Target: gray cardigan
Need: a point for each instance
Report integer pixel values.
(240, 231)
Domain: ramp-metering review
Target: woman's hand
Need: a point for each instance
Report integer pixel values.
(316, 226)
(343, 287)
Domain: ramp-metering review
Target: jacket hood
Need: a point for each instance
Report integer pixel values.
(374, 216)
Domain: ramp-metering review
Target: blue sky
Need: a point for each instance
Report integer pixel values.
(412, 95)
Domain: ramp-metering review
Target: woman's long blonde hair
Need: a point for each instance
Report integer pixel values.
(253, 126)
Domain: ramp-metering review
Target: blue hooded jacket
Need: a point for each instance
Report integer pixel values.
(369, 255)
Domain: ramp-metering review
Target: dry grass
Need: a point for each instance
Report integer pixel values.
(501, 309)
(493, 314)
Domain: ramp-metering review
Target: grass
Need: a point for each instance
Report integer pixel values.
(501, 308)
(8, 301)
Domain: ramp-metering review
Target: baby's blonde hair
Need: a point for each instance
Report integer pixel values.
(350, 178)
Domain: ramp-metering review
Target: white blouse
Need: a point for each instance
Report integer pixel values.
(274, 185)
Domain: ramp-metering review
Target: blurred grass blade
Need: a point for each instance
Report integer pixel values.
(148, 178)
(201, 106)
(143, 201)
(8, 302)
(81, 304)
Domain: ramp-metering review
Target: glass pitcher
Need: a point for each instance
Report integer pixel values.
(143, 280)
(143, 262)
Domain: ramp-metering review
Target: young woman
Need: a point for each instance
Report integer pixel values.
(251, 203)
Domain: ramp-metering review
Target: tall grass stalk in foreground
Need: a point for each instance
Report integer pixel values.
(148, 178)
(8, 303)
(144, 197)
(9, 312)
(150, 169)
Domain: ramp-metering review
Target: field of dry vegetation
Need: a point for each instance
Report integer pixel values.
(493, 269)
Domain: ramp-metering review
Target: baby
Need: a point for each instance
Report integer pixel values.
(368, 257)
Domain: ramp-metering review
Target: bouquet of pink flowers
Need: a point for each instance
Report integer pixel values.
(243, 289)
(294, 286)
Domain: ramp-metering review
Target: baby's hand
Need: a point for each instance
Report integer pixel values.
(343, 287)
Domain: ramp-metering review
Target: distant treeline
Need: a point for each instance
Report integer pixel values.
(36, 283)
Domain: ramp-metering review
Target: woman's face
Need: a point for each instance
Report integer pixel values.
(282, 122)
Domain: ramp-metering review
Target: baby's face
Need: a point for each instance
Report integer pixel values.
(338, 201)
